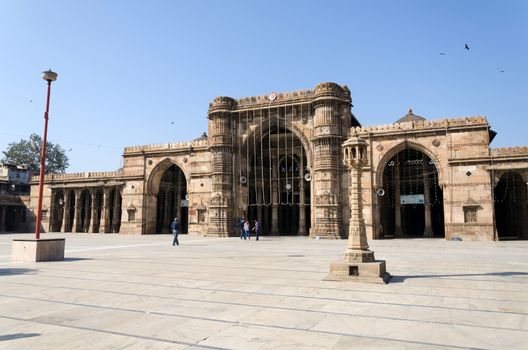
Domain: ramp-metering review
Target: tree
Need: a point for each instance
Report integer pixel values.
(26, 153)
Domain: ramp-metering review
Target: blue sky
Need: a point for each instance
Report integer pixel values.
(127, 69)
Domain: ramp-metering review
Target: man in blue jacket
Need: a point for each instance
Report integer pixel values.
(175, 228)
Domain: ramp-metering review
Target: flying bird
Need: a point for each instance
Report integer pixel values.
(442, 53)
(30, 100)
(502, 71)
(466, 46)
(69, 150)
(172, 122)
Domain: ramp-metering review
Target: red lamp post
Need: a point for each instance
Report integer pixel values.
(49, 76)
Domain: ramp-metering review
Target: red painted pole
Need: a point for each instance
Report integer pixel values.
(42, 164)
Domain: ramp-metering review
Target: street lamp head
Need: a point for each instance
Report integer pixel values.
(49, 76)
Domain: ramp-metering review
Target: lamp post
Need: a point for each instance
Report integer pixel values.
(49, 76)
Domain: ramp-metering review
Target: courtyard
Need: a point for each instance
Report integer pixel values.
(139, 292)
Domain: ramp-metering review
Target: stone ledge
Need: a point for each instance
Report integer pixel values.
(35, 250)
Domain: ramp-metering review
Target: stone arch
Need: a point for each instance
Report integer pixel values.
(400, 147)
(280, 210)
(263, 129)
(159, 169)
(511, 205)
(152, 195)
(412, 203)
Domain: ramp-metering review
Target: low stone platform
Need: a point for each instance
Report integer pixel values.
(140, 292)
(371, 272)
(35, 250)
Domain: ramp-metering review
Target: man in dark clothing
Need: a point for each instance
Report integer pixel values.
(175, 228)
(256, 228)
(241, 223)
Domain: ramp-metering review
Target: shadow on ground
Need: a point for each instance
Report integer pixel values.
(401, 279)
(18, 336)
(16, 271)
(76, 259)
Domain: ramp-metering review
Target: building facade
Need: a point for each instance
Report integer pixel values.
(14, 197)
(278, 159)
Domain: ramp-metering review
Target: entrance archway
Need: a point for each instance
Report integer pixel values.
(277, 184)
(511, 207)
(171, 200)
(411, 200)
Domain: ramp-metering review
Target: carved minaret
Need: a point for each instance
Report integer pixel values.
(332, 121)
(221, 148)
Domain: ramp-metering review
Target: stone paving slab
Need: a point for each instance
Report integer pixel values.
(139, 292)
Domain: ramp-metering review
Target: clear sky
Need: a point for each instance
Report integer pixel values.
(128, 69)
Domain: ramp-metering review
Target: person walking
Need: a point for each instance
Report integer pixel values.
(241, 224)
(246, 230)
(175, 228)
(256, 228)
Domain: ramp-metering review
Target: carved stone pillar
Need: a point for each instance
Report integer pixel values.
(93, 216)
(66, 215)
(178, 198)
(428, 229)
(77, 224)
(221, 148)
(116, 222)
(397, 203)
(358, 261)
(275, 200)
(3, 210)
(302, 209)
(87, 208)
(105, 212)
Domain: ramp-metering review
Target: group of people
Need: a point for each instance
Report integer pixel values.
(245, 230)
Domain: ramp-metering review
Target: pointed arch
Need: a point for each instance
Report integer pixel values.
(382, 164)
(163, 203)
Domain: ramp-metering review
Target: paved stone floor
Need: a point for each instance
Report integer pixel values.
(139, 292)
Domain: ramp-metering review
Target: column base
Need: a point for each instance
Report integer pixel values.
(35, 250)
(370, 272)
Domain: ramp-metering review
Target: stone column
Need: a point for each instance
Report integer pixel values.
(397, 204)
(259, 204)
(87, 207)
(428, 229)
(178, 199)
(3, 210)
(302, 209)
(116, 211)
(66, 215)
(93, 216)
(357, 247)
(275, 199)
(358, 261)
(105, 212)
(77, 225)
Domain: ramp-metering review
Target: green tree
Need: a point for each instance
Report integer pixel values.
(26, 153)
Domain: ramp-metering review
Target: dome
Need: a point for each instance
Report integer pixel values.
(409, 117)
(203, 137)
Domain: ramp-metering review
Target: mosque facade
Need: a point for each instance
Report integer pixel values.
(278, 159)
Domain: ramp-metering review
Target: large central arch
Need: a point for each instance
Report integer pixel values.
(274, 179)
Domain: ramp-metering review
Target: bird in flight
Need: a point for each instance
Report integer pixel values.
(442, 53)
(466, 46)
(502, 71)
(30, 100)
(172, 122)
